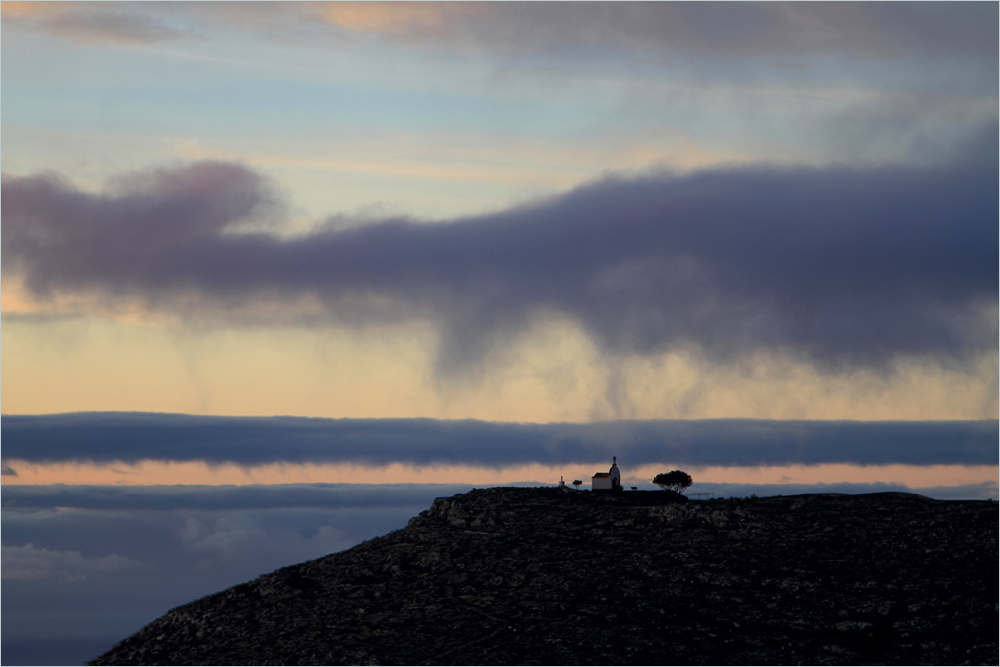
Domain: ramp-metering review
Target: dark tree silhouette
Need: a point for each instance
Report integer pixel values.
(675, 480)
(577, 483)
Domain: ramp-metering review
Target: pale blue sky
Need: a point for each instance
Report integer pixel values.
(352, 118)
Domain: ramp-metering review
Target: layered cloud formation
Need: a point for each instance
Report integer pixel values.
(839, 266)
(252, 441)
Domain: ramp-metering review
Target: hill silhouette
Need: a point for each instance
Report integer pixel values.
(556, 576)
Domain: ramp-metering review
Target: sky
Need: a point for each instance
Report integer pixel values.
(275, 275)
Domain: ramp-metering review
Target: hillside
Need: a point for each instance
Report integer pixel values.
(550, 576)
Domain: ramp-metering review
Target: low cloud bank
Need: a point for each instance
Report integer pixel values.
(983, 491)
(28, 564)
(841, 267)
(364, 497)
(228, 498)
(251, 441)
(84, 567)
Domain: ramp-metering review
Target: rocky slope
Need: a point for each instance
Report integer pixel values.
(550, 576)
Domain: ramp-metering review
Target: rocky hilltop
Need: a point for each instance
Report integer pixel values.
(556, 576)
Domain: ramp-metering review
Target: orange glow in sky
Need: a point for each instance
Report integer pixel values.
(157, 472)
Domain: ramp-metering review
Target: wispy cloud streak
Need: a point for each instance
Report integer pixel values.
(94, 23)
(863, 30)
(249, 441)
(733, 29)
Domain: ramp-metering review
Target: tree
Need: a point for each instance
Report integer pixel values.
(675, 480)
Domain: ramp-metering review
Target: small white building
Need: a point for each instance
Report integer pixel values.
(607, 481)
(601, 481)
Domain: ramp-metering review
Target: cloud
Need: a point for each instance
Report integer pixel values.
(28, 563)
(92, 23)
(983, 491)
(734, 30)
(249, 441)
(226, 498)
(842, 267)
(235, 544)
(858, 30)
(7, 471)
(61, 588)
(417, 18)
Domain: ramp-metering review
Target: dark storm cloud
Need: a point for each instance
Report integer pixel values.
(839, 266)
(249, 441)
(142, 216)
